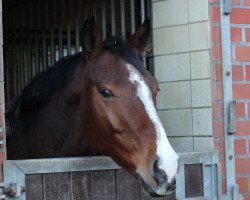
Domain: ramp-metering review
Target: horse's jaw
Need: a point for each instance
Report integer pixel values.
(158, 191)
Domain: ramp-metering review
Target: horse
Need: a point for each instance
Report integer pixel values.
(101, 100)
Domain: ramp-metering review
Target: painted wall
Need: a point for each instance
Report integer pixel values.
(240, 37)
(181, 40)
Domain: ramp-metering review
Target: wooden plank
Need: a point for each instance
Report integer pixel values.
(193, 180)
(56, 186)
(34, 186)
(127, 186)
(103, 185)
(80, 183)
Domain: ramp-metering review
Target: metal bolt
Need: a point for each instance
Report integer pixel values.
(231, 157)
(228, 73)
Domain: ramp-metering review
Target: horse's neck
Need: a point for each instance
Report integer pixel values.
(53, 130)
(75, 144)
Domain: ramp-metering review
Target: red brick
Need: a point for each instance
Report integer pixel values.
(240, 146)
(247, 72)
(240, 109)
(241, 91)
(217, 72)
(223, 172)
(236, 2)
(246, 196)
(218, 110)
(220, 146)
(216, 52)
(218, 129)
(236, 34)
(215, 14)
(243, 183)
(240, 16)
(247, 31)
(247, 2)
(223, 186)
(215, 34)
(217, 91)
(223, 167)
(243, 127)
(238, 74)
(242, 165)
(242, 53)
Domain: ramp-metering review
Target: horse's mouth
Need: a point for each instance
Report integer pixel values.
(156, 192)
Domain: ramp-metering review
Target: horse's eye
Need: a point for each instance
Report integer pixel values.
(106, 93)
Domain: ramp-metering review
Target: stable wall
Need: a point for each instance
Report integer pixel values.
(240, 41)
(181, 41)
(186, 36)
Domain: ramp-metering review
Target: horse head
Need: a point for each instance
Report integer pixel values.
(122, 120)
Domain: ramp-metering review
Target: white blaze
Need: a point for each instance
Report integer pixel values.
(168, 159)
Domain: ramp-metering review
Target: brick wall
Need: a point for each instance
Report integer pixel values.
(240, 37)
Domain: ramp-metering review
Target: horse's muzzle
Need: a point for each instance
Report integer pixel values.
(162, 185)
(161, 190)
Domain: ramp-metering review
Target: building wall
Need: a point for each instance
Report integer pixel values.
(181, 41)
(186, 37)
(240, 37)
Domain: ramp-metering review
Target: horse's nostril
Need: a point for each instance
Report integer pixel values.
(159, 175)
(156, 164)
(172, 185)
(173, 182)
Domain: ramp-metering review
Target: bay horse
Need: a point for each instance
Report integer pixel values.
(100, 100)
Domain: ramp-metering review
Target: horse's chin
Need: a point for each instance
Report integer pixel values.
(159, 191)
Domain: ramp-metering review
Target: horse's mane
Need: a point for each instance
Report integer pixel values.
(123, 49)
(42, 87)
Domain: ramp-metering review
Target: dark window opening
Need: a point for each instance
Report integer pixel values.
(38, 33)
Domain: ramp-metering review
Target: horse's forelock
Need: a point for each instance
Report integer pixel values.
(123, 49)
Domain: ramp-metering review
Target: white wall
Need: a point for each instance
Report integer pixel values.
(181, 43)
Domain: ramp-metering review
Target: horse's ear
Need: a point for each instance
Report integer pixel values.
(91, 38)
(141, 37)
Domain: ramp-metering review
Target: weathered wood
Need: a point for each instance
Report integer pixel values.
(95, 185)
(193, 180)
(103, 185)
(56, 186)
(80, 183)
(127, 186)
(34, 186)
